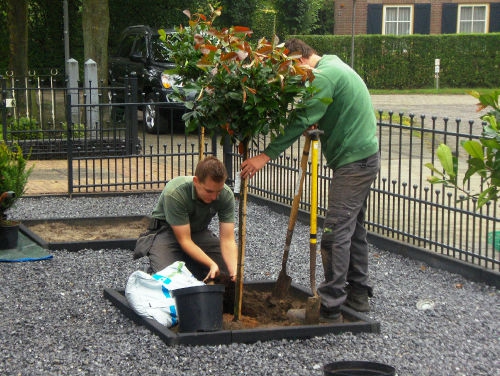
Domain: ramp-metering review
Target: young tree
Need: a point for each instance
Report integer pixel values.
(241, 89)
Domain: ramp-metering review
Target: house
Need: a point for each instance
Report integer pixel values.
(403, 17)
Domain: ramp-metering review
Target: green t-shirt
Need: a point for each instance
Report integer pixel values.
(348, 122)
(178, 205)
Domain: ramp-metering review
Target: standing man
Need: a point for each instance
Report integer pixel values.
(342, 108)
(179, 229)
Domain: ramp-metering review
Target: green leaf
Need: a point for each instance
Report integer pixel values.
(490, 143)
(474, 148)
(433, 169)
(435, 180)
(476, 166)
(446, 159)
(489, 194)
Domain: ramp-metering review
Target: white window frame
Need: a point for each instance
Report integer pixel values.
(385, 21)
(486, 16)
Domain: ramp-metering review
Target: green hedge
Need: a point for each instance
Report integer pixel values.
(406, 62)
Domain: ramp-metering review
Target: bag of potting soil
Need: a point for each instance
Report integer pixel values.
(150, 295)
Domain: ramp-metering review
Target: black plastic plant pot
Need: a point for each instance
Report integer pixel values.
(199, 308)
(9, 234)
(358, 368)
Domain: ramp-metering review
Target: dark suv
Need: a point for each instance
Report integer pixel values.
(140, 51)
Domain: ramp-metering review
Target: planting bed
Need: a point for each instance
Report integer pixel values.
(261, 322)
(81, 233)
(263, 317)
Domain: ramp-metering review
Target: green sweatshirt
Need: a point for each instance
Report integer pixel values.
(348, 122)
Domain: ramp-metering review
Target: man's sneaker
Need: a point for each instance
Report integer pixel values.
(357, 299)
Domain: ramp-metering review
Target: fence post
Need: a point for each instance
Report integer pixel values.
(73, 78)
(92, 95)
(131, 124)
(4, 107)
(69, 140)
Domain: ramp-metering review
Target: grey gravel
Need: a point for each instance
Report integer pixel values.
(55, 321)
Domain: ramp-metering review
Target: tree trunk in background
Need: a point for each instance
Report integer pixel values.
(17, 17)
(95, 23)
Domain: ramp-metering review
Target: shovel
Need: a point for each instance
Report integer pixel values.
(284, 281)
(313, 303)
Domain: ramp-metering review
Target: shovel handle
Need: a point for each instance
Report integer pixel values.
(296, 200)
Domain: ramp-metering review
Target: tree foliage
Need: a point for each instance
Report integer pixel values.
(326, 18)
(240, 88)
(45, 33)
(296, 16)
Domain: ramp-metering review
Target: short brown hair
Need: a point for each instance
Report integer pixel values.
(211, 167)
(295, 45)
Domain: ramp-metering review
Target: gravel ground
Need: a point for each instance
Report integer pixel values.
(55, 321)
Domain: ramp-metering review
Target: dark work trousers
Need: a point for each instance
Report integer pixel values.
(344, 248)
(166, 250)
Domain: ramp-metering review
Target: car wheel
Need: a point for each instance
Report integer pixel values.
(154, 120)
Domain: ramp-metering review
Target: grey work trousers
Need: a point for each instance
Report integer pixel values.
(344, 248)
(165, 250)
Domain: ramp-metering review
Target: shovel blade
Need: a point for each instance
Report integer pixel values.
(312, 310)
(282, 285)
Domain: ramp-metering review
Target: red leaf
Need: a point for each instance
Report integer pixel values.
(242, 29)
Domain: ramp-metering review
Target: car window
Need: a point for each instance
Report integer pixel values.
(140, 47)
(159, 51)
(126, 46)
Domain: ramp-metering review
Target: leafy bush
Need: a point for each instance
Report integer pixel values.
(23, 128)
(484, 155)
(13, 175)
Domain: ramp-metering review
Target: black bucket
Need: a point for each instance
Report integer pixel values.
(199, 308)
(358, 368)
(9, 234)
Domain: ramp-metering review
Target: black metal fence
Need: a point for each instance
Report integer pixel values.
(114, 153)
(402, 204)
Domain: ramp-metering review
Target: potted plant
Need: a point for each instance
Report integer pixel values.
(241, 88)
(14, 174)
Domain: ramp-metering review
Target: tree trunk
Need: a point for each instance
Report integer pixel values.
(17, 16)
(17, 19)
(95, 24)
(242, 231)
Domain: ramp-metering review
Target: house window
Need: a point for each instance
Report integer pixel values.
(472, 19)
(398, 20)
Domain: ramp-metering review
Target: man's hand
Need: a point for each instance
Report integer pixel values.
(252, 165)
(213, 273)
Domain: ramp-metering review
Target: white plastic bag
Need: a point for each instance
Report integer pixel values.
(149, 295)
